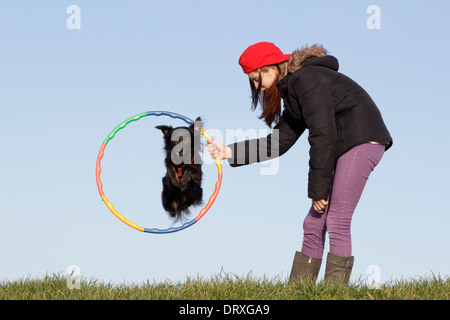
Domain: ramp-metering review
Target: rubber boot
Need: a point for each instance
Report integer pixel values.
(304, 267)
(338, 269)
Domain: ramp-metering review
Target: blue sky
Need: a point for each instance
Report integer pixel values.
(63, 90)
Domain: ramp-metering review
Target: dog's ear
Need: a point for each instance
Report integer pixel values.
(165, 129)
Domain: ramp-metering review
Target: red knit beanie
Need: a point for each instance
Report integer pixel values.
(261, 54)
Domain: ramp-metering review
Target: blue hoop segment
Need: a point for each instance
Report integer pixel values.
(170, 114)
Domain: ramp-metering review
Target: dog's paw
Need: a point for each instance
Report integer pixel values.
(184, 187)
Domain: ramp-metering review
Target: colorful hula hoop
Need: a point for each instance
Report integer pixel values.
(119, 215)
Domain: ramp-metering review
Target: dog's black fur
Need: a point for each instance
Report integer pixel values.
(182, 182)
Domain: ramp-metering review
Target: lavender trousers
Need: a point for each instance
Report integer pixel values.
(350, 176)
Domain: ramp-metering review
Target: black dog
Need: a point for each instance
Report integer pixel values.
(182, 182)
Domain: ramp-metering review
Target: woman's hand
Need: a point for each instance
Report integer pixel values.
(319, 205)
(215, 148)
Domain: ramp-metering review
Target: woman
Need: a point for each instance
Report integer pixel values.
(347, 138)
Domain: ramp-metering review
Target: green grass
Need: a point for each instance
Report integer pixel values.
(224, 287)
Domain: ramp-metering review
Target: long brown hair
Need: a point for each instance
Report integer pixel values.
(269, 99)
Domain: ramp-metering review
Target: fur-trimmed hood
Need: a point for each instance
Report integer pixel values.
(298, 57)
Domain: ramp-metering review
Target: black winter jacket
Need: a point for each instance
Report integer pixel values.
(338, 113)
